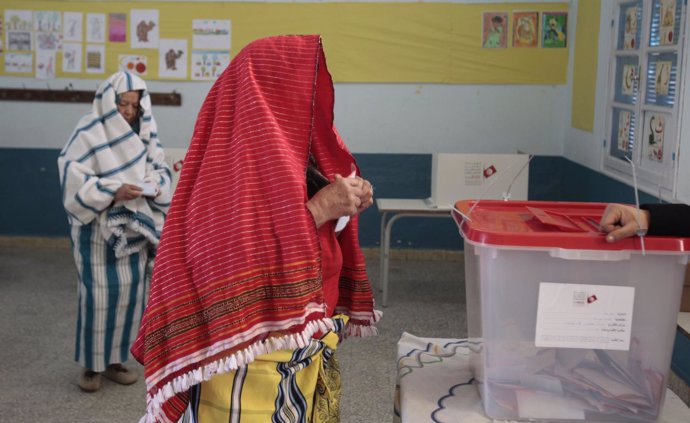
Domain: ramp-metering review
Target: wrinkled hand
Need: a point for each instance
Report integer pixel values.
(342, 197)
(620, 221)
(127, 192)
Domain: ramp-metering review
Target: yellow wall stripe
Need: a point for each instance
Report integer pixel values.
(364, 42)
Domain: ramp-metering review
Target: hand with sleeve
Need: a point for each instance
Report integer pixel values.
(620, 221)
(127, 192)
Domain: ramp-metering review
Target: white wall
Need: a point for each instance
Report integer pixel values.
(372, 118)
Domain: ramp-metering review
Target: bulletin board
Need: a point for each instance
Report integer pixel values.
(364, 42)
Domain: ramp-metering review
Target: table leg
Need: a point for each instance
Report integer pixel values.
(382, 262)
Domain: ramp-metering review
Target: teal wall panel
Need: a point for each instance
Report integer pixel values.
(30, 193)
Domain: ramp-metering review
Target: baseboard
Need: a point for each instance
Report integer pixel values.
(369, 252)
(679, 387)
(416, 254)
(34, 242)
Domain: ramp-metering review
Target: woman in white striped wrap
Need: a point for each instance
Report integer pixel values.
(116, 192)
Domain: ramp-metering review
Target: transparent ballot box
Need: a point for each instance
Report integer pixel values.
(563, 325)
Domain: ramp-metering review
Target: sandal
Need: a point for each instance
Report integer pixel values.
(121, 374)
(90, 381)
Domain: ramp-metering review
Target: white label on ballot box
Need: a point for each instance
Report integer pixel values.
(584, 316)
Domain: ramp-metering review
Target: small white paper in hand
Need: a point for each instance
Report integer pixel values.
(149, 189)
(343, 220)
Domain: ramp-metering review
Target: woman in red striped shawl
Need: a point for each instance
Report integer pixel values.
(253, 286)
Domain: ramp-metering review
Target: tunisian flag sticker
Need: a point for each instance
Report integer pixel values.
(489, 171)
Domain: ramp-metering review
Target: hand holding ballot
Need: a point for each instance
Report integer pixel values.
(342, 197)
(620, 221)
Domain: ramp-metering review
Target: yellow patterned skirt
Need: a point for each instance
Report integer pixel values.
(286, 386)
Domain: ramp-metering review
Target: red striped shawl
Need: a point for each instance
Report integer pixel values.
(239, 258)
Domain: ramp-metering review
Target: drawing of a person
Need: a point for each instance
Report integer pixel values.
(493, 39)
(554, 31)
(525, 32)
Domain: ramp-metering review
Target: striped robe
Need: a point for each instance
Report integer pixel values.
(112, 242)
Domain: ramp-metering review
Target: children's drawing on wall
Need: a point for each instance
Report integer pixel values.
(117, 27)
(172, 59)
(47, 21)
(95, 58)
(210, 34)
(18, 20)
(48, 41)
(624, 122)
(18, 62)
(655, 137)
(136, 64)
(628, 80)
(72, 28)
(495, 30)
(144, 28)
(18, 26)
(95, 28)
(554, 29)
(525, 29)
(662, 79)
(71, 58)
(630, 30)
(45, 64)
(208, 65)
(19, 41)
(667, 21)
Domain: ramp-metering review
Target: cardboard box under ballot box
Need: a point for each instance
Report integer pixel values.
(563, 325)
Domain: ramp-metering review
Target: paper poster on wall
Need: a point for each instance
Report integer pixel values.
(19, 41)
(95, 58)
(667, 22)
(95, 28)
(630, 34)
(18, 20)
(47, 21)
(624, 121)
(211, 34)
(654, 135)
(525, 29)
(144, 28)
(135, 63)
(663, 77)
(495, 30)
(2, 42)
(117, 27)
(45, 64)
(71, 58)
(172, 59)
(628, 80)
(48, 40)
(18, 62)
(208, 65)
(554, 29)
(72, 28)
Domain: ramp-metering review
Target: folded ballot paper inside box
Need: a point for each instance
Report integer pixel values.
(568, 327)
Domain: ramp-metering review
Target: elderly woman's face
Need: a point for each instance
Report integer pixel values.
(128, 106)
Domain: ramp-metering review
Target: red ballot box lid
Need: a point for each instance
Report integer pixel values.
(548, 224)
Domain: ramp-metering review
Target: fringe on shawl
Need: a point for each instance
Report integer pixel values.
(182, 383)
